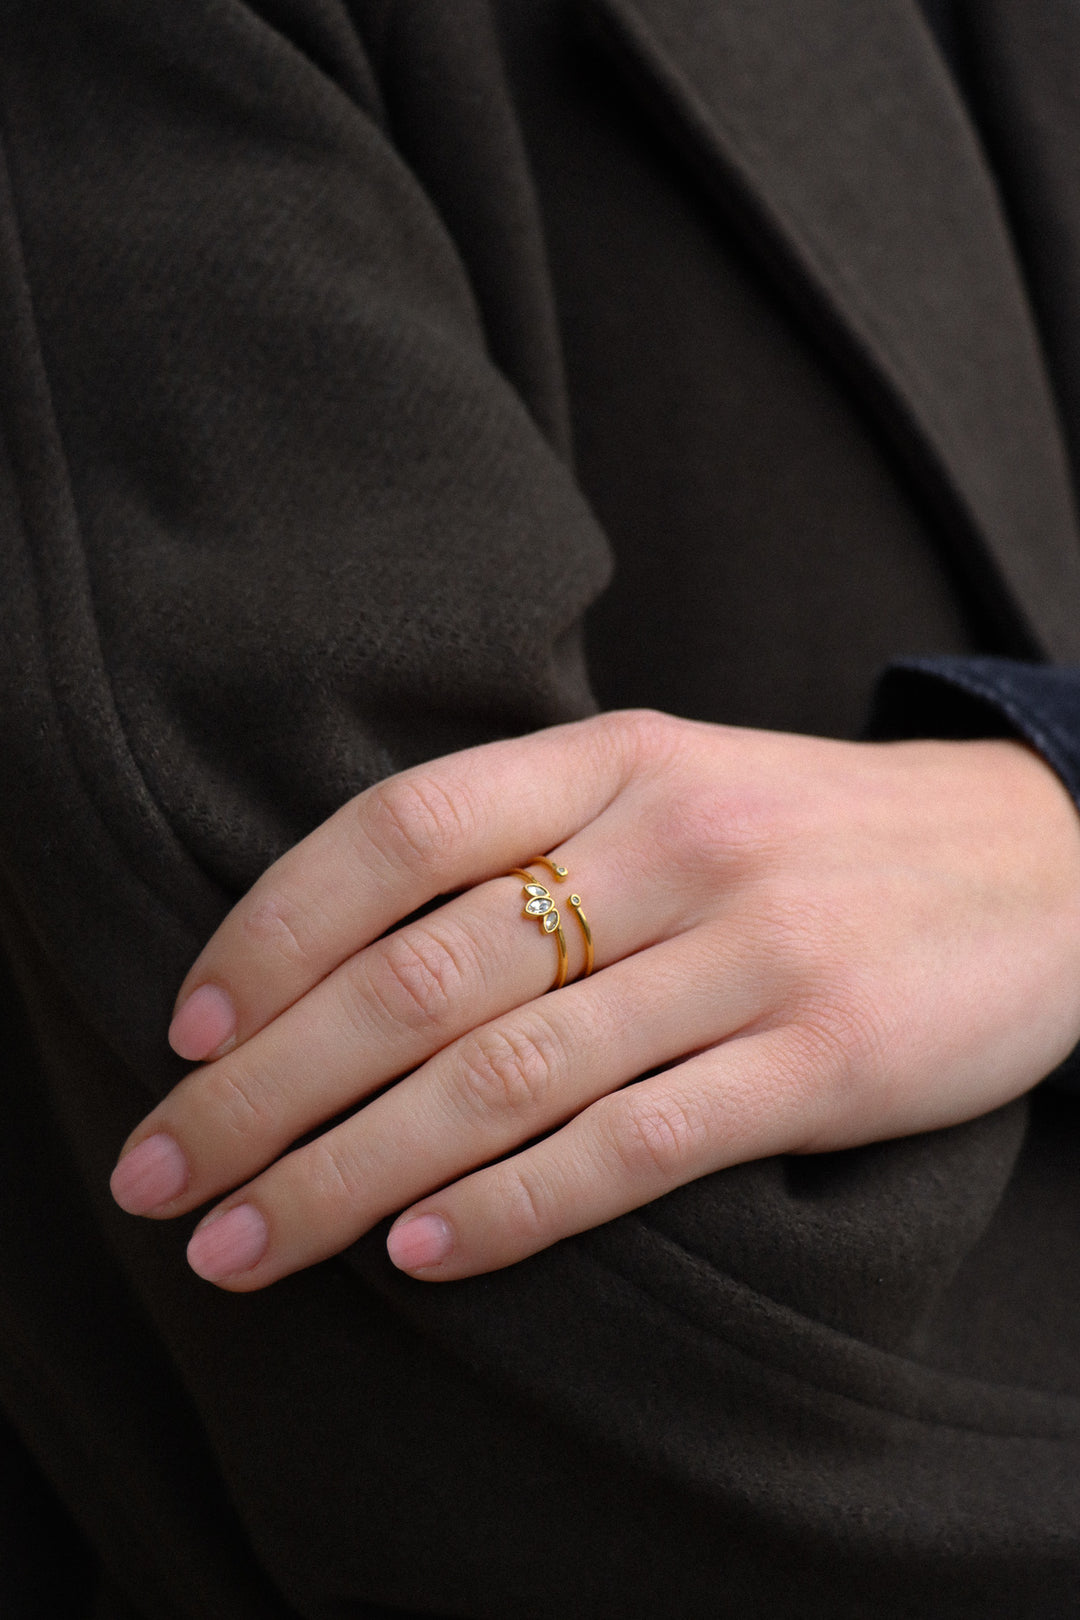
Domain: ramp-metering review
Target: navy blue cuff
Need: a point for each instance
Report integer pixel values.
(981, 697)
(988, 697)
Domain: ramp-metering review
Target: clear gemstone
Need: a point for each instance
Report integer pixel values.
(535, 888)
(551, 922)
(537, 908)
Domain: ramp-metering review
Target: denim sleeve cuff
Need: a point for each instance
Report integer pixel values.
(988, 697)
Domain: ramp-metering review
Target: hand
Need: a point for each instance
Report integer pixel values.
(818, 943)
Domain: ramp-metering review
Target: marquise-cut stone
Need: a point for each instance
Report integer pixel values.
(551, 922)
(537, 908)
(535, 888)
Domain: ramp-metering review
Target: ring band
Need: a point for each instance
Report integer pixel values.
(559, 873)
(540, 904)
(575, 907)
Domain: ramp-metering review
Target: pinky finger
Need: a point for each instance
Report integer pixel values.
(749, 1098)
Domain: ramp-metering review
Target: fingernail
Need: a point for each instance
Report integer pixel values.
(420, 1241)
(149, 1175)
(204, 1023)
(226, 1243)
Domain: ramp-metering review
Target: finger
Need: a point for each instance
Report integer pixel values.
(380, 1014)
(425, 832)
(494, 1089)
(751, 1097)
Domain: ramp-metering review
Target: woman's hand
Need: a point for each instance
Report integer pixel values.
(818, 944)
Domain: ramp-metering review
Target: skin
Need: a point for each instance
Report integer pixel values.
(822, 943)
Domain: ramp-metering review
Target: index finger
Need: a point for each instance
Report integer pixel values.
(435, 828)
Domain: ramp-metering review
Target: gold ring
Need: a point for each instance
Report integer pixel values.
(540, 904)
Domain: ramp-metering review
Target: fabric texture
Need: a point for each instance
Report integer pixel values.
(344, 350)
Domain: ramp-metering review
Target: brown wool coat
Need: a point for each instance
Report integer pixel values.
(342, 347)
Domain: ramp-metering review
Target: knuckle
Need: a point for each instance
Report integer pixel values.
(509, 1069)
(416, 977)
(525, 1207)
(850, 1027)
(239, 1107)
(839, 1046)
(415, 821)
(655, 1136)
(701, 831)
(643, 736)
(334, 1177)
(274, 924)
